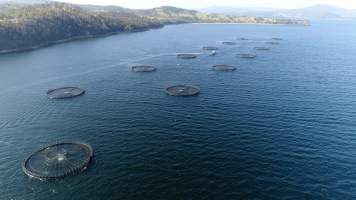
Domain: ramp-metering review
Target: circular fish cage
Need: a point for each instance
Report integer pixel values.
(183, 90)
(65, 93)
(58, 161)
(229, 43)
(143, 68)
(210, 48)
(277, 39)
(262, 48)
(273, 43)
(247, 55)
(224, 68)
(186, 56)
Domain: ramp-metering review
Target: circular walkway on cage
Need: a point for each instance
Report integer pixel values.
(229, 43)
(65, 93)
(224, 68)
(210, 48)
(143, 68)
(183, 90)
(58, 161)
(186, 56)
(247, 55)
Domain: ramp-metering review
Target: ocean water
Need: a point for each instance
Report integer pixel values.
(282, 126)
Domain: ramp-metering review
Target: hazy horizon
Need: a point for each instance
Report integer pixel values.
(279, 4)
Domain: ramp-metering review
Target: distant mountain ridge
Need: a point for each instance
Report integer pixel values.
(24, 1)
(317, 12)
(35, 24)
(169, 14)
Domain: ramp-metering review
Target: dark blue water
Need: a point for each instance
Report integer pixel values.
(283, 126)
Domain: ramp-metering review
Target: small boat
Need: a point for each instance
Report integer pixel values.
(242, 38)
(213, 53)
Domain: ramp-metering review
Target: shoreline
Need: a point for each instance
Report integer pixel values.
(224, 23)
(242, 23)
(47, 44)
(72, 39)
(43, 45)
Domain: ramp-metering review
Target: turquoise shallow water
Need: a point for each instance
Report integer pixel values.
(282, 126)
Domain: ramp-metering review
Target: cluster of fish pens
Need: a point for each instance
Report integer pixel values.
(189, 90)
(64, 159)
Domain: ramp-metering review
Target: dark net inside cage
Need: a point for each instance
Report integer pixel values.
(65, 92)
(224, 68)
(58, 161)
(182, 90)
(143, 68)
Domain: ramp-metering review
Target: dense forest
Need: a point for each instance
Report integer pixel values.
(24, 27)
(39, 25)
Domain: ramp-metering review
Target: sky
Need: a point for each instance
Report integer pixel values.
(194, 4)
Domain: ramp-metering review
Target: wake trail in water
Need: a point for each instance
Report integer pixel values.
(124, 62)
(4, 142)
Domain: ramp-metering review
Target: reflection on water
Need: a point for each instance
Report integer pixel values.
(281, 126)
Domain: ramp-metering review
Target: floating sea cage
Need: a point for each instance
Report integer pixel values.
(183, 90)
(273, 43)
(247, 55)
(224, 68)
(143, 68)
(186, 56)
(229, 43)
(58, 161)
(242, 38)
(277, 38)
(210, 48)
(65, 93)
(262, 48)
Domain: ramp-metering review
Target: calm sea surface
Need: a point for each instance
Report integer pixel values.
(282, 126)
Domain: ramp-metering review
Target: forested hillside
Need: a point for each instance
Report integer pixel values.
(28, 26)
(39, 25)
